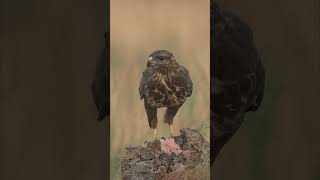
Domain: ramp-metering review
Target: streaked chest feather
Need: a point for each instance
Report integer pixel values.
(163, 88)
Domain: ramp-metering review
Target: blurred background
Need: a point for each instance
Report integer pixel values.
(137, 29)
(280, 140)
(48, 55)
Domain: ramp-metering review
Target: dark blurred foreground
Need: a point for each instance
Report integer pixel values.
(48, 127)
(280, 140)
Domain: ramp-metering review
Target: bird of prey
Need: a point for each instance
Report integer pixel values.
(237, 76)
(101, 82)
(164, 83)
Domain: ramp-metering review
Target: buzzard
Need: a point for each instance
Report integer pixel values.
(237, 76)
(164, 83)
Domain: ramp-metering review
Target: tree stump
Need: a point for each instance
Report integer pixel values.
(149, 162)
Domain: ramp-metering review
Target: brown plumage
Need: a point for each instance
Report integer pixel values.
(164, 83)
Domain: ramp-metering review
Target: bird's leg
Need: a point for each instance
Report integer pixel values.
(152, 118)
(168, 117)
(170, 131)
(155, 135)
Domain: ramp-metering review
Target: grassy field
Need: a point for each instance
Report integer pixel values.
(137, 29)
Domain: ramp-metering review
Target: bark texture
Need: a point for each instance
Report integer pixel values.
(148, 162)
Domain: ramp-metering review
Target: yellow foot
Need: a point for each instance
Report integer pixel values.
(155, 136)
(170, 131)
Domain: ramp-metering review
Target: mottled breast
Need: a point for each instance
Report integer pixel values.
(166, 86)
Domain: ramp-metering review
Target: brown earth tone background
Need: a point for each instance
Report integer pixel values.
(137, 29)
(281, 140)
(48, 54)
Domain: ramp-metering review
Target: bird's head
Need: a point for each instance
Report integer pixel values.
(161, 57)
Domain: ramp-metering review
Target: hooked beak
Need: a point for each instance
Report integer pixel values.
(149, 61)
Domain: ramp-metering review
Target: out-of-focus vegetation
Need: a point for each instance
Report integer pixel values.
(137, 29)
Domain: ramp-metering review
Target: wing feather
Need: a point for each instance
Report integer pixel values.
(143, 87)
(187, 82)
